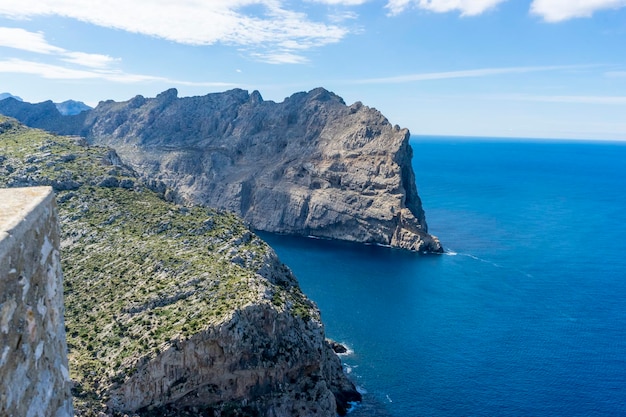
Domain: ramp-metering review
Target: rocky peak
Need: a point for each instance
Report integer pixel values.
(255, 97)
(167, 96)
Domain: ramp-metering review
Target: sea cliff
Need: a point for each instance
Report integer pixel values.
(310, 165)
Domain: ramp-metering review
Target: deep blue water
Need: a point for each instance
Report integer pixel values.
(525, 316)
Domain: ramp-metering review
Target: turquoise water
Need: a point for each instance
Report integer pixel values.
(525, 315)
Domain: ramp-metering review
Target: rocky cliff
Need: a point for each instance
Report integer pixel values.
(172, 310)
(310, 165)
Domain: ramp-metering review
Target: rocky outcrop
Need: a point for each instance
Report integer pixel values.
(310, 165)
(34, 377)
(169, 309)
(261, 359)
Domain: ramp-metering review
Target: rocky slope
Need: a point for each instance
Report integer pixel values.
(172, 310)
(310, 165)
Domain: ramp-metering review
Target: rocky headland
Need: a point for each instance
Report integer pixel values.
(171, 310)
(310, 165)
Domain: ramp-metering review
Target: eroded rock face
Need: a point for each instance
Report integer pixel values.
(310, 165)
(267, 358)
(261, 360)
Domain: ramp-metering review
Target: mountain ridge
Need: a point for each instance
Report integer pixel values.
(66, 108)
(310, 165)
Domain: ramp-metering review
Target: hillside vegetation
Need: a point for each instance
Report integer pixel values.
(141, 273)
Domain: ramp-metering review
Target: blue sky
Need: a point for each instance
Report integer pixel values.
(514, 68)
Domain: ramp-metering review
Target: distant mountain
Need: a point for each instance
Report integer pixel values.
(9, 95)
(71, 107)
(66, 108)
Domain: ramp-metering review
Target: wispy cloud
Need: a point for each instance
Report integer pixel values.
(267, 25)
(559, 10)
(466, 7)
(342, 16)
(89, 60)
(72, 65)
(567, 99)
(22, 39)
(280, 58)
(59, 72)
(340, 2)
(398, 6)
(17, 38)
(482, 72)
(50, 71)
(549, 10)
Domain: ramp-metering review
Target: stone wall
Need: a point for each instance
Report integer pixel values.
(34, 377)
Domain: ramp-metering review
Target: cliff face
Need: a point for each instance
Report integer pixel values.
(168, 307)
(310, 165)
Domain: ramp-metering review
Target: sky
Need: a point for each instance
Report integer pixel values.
(488, 68)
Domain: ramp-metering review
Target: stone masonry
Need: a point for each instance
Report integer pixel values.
(34, 377)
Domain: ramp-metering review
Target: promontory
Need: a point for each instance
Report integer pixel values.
(310, 165)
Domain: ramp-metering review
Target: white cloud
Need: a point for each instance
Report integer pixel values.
(17, 38)
(397, 6)
(58, 72)
(24, 40)
(482, 72)
(466, 7)
(194, 22)
(568, 99)
(559, 10)
(87, 66)
(89, 60)
(341, 2)
(50, 71)
(340, 17)
(280, 58)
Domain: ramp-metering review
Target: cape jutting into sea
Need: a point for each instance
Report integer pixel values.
(524, 315)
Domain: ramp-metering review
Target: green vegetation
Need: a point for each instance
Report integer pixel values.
(139, 272)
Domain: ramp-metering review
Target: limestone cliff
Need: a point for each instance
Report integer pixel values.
(172, 308)
(310, 165)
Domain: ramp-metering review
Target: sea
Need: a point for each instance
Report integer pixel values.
(525, 313)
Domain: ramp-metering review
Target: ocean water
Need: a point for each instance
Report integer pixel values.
(526, 313)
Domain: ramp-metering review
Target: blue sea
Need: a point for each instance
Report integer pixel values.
(525, 315)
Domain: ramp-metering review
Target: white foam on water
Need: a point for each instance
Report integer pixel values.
(353, 406)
